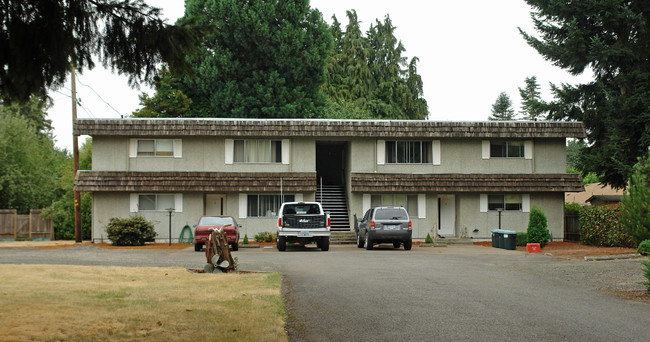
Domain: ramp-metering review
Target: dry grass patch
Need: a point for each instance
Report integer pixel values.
(81, 303)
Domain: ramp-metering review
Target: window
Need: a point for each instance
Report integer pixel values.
(156, 202)
(504, 202)
(155, 148)
(409, 202)
(506, 149)
(265, 205)
(258, 151)
(408, 152)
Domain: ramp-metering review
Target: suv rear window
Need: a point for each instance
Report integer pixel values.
(301, 209)
(391, 214)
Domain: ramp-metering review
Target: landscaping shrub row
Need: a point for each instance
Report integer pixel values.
(600, 226)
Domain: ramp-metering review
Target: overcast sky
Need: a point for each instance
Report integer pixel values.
(469, 52)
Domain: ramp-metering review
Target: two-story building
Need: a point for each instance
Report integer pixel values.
(454, 178)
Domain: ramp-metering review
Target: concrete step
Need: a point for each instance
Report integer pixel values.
(343, 238)
(452, 241)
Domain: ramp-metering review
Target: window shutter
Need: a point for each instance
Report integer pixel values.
(133, 148)
(525, 203)
(483, 203)
(229, 143)
(366, 203)
(178, 148)
(486, 149)
(436, 152)
(286, 149)
(381, 153)
(422, 206)
(243, 205)
(178, 203)
(528, 149)
(134, 203)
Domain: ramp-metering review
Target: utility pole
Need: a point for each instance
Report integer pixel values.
(75, 160)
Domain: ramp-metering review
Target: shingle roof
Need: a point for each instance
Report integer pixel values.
(385, 182)
(328, 128)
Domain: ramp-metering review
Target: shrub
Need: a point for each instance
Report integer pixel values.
(537, 227)
(428, 239)
(134, 231)
(635, 216)
(646, 274)
(265, 237)
(522, 239)
(572, 208)
(245, 242)
(644, 247)
(600, 226)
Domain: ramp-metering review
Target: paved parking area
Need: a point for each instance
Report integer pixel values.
(453, 293)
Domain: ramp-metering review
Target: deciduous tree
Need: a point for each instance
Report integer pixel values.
(635, 206)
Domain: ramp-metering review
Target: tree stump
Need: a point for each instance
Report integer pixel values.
(217, 252)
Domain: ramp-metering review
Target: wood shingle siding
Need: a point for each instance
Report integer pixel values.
(194, 181)
(403, 129)
(389, 182)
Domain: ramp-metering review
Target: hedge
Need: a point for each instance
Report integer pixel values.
(600, 226)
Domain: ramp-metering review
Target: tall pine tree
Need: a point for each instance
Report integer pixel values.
(502, 109)
(612, 38)
(532, 106)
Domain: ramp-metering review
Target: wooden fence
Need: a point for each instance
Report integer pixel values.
(25, 227)
(571, 231)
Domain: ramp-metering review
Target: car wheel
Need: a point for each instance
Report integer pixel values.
(325, 244)
(235, 246)
(396, 244)
(368, 242)
(197, 247)
(408, 244)
(360, 242)
(282, 243)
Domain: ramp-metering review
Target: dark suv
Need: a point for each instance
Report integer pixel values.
(384, 225)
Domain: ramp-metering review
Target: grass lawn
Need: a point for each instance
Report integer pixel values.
(81, 303)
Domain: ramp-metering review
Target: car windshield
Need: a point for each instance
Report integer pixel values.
(301, 209)
(215, 221)
(391, 214)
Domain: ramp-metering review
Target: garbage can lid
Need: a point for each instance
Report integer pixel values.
(508, 232)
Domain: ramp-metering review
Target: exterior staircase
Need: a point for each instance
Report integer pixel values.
(343, 238)
(334, 200)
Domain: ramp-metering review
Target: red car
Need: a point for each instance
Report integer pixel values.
(202, 230)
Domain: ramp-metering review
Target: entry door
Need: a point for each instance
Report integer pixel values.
(215, 204)
(446, 215)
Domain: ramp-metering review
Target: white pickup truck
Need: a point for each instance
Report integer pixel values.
(303, 222)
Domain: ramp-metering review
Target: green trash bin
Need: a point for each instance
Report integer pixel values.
(495, 238)
(509, 239)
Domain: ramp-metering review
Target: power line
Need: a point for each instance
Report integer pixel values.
(100, 97)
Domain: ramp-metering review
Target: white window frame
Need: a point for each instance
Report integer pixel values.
(177, 148)
(231, 144)
(527, 149)
(243, 203)
(430, 155)
(420, 204)
(524, 204)
(135, 199)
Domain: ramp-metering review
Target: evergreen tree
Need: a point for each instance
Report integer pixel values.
(263, 59)
(502, 108)
(612, 38)
(532, 106)
(635, 206)
(39, 40)
(167, 102)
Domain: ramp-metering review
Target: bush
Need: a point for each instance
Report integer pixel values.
(644, 247)
(635, 216)
(265, 237)
(428, 239)
(245, 242)
(600, 226)
(572, 208)
(134, 231)
(522, 239)
(537, 227)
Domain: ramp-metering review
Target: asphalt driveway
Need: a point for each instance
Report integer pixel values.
(454, 293)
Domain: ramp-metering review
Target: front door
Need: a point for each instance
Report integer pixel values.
(446, 215)
(215, 204)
